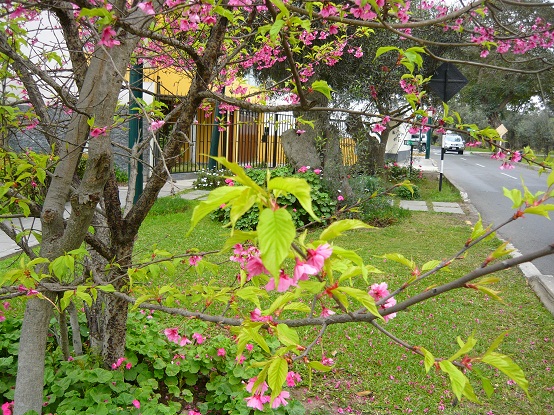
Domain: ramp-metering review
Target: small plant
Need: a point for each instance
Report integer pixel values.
(405, 192)
(207, 179)
(394, 172)
(121, 175)
(322, 203)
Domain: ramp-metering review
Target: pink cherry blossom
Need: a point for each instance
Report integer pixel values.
(97, 131)
(146, 7)
(199, 338)
(285, 282)
(156, 125)
(280, 399)
(292, 379)
(172, 334)
(316, 257)
(7, 408)
(255, 266)
(302, 271)
(107, 39)
(194, 260)
(260, 390)
(257, 401)
(378, 291)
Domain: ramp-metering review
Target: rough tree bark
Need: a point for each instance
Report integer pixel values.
(98, 99)
(318, 147)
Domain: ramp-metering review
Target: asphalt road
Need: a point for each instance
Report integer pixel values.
(482, 180)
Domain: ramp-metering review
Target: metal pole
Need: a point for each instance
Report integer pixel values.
(443, 151)
(214, 142)
(135, 124)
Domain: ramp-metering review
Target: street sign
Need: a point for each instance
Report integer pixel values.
(447, 81)
(501, 130)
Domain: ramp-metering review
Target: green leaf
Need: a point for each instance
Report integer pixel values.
(385, 49)
(499, 339)
(457, 378)
(257, 337)
(238, 237)
(216, 198)
(515, 196)
(296, 186)
(490, 292)
(241, 176)
(242, 204)
(509, 368)
(297, 306)
(108, 288)
(430, 265)
(85, 297)
(280, 302)
(337, 228)
(550, 179)
(428, 358)
(276, 231)
(287, 335)
(401, 259)
(320, 367)
(323, 87)
(252, 294)
(275, 29)
(464, 347)
(66, 299)
(281, 6)
(276, 375)
(363, 297)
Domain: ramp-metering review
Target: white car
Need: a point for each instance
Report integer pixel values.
(453, 142)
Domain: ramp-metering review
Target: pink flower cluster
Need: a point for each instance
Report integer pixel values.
(514, 157)
(258, 398)
(108, 38)
(381, 126)
(120, 361)
(5, 306)
(7, 408)
(172, 334)
(380, 291)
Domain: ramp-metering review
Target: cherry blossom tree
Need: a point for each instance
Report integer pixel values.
(81, 67)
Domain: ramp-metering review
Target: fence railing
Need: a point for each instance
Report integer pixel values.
(247, 138)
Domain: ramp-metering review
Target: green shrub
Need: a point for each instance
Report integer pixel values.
(405, 192)
(395, 173)
(322, 203)
(162, 376)
(121, 175)
(210, 179)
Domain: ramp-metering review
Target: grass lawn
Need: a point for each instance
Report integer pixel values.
(374, 375)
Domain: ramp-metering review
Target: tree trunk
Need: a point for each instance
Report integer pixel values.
(98, 99)
(319, 147)
(32, 347)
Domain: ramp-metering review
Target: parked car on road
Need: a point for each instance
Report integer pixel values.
(453, 142)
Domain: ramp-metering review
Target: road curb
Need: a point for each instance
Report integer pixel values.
(542, 285)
